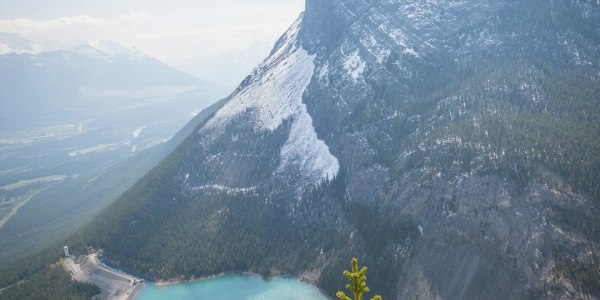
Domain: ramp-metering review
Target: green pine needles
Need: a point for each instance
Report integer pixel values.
(359, 283)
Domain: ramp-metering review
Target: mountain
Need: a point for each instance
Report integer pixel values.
(84, 82)
(102, 97)
(13, 43)
(451, 145)
(68, 119)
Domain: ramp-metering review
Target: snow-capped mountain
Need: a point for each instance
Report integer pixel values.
(275, 95)
(13, 43)
(36, 86)
(451, 145)
(109, 49)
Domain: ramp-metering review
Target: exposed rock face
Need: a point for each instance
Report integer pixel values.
(433, 139)
(485, 232)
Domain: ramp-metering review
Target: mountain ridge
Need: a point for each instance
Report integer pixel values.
(465, 136)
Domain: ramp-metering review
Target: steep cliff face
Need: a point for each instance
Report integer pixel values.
(452, 145)
(455, 115)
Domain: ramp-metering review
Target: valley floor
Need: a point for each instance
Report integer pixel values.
(114, 285)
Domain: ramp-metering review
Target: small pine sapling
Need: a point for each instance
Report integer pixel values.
(359, 283)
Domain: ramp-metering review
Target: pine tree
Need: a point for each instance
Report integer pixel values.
(359, 283)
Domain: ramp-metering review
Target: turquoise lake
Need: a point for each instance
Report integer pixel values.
(238, 287)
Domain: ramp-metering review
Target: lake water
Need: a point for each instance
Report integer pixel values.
(238, 287)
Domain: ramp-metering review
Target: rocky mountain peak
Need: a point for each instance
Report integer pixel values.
(449, 144)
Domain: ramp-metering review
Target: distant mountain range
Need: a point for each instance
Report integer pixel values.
(14, 43)
(68, 116)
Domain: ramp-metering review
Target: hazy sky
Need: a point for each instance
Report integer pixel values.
(218, 41)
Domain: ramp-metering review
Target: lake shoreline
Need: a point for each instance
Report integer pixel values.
(304, 277)
(168, 282)
(307, 277)
(234, 285)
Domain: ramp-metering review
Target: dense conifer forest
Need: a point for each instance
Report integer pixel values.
(51, 282)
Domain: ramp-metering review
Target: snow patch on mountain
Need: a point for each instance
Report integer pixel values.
(223, 188)
(108, 50)
(13, 43)
(412, 52)
(305, 151)
(138, 131)
(273, 95)
(355, 66)
(324, 72)
(96, 149)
